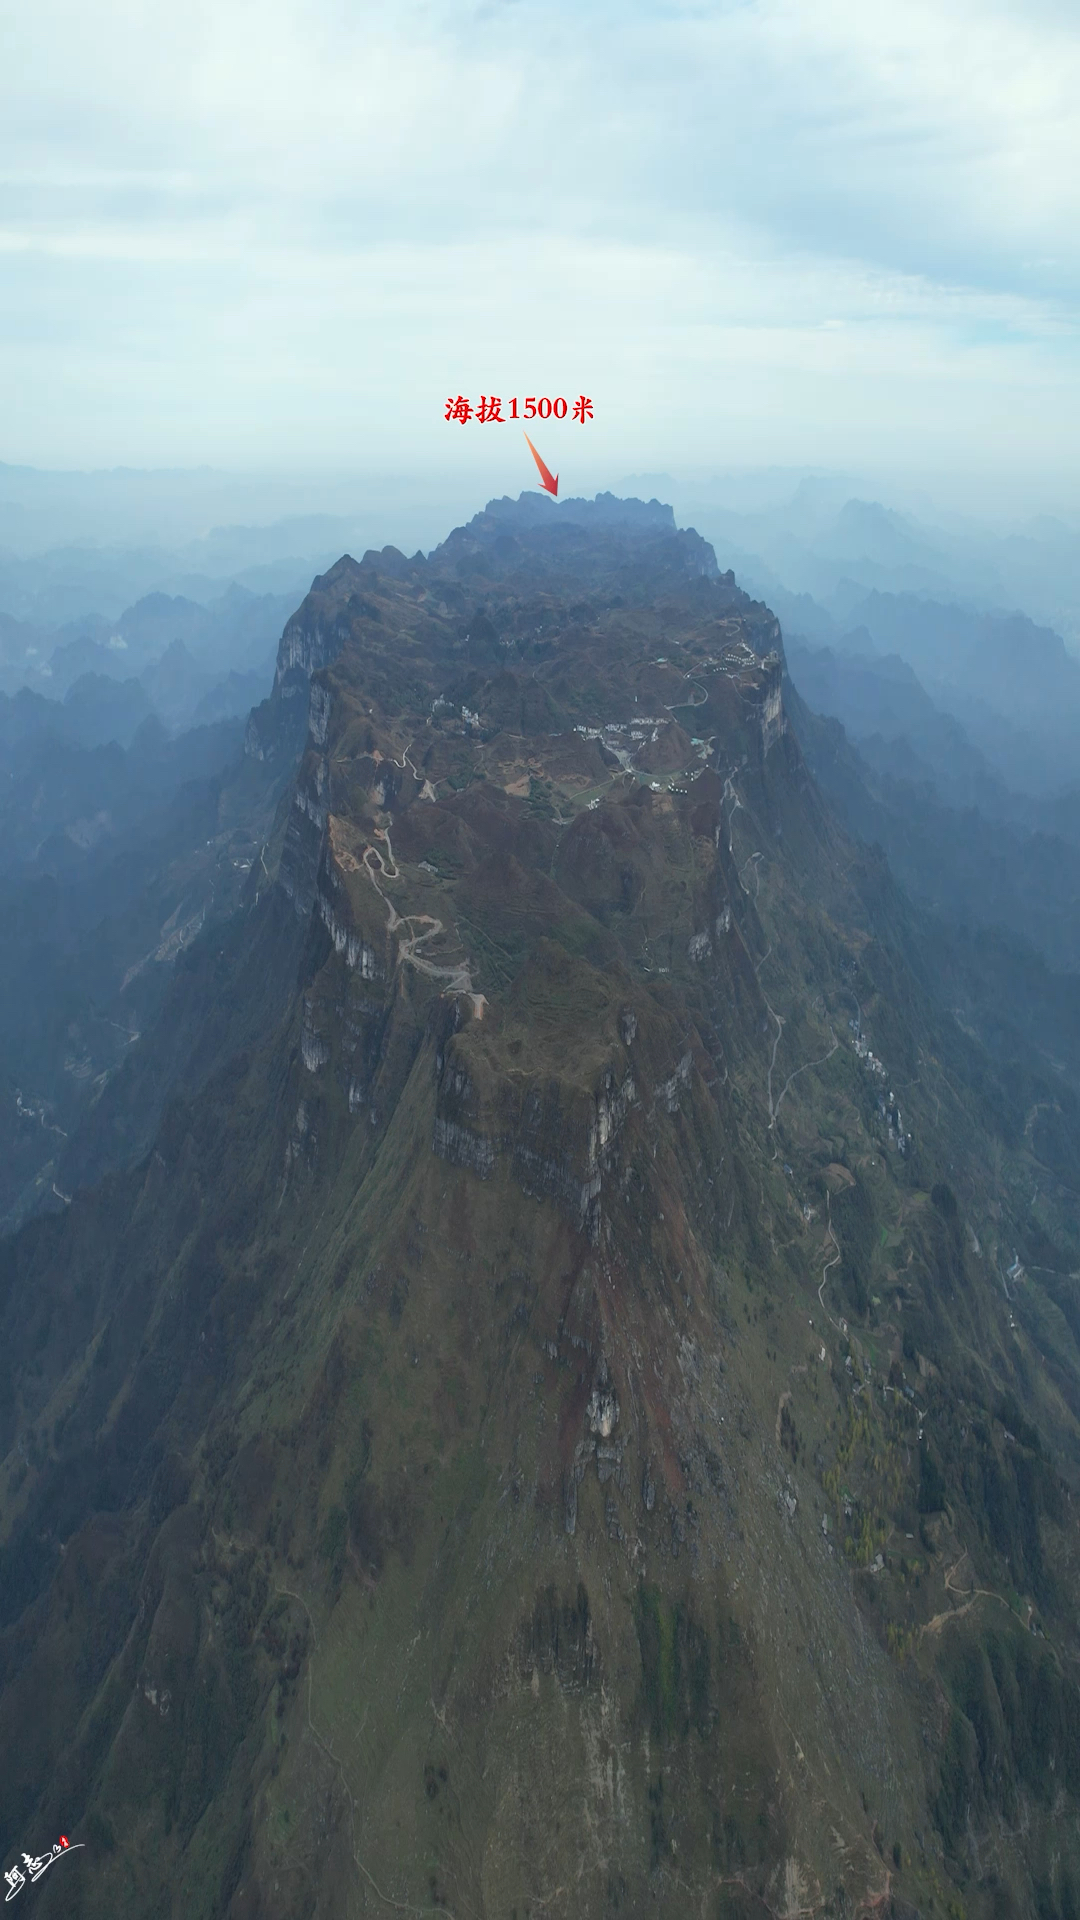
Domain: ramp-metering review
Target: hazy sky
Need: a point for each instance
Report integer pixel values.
(280, 234)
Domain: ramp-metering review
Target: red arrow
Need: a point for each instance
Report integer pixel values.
(548, 480)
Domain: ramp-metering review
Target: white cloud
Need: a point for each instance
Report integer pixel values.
(279, 231)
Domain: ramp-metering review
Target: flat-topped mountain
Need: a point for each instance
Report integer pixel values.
(575, 1411)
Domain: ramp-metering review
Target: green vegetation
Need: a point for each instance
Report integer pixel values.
(675, 1667)
(518, 1430)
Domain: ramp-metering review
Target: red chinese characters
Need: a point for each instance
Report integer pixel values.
(489, 409)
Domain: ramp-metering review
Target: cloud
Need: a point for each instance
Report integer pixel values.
(280, 231)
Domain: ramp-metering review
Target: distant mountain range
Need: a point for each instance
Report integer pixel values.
(94, 679)
(73, 544)
(829, 543)
(1013, 686)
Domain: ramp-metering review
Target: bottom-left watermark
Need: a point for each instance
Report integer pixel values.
(36, 1865)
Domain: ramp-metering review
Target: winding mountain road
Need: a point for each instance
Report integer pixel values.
(458, 978)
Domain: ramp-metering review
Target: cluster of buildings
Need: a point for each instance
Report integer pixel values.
(888, 1109)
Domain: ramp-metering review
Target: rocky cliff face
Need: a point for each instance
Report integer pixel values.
(560, 1140)
(525, 1439)
(312, 639)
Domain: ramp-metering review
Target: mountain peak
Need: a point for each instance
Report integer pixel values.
(533, 509)
(543, 1425)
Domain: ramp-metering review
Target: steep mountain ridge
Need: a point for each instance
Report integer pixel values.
(988, 896)
(112, 861)
(555, 1423)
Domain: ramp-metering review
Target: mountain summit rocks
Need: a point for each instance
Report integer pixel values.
(553, 1451)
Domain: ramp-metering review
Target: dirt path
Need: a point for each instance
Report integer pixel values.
(834, 1262)
(702, 702)
(458, 977)
(974, 1593)
(805, 1068)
